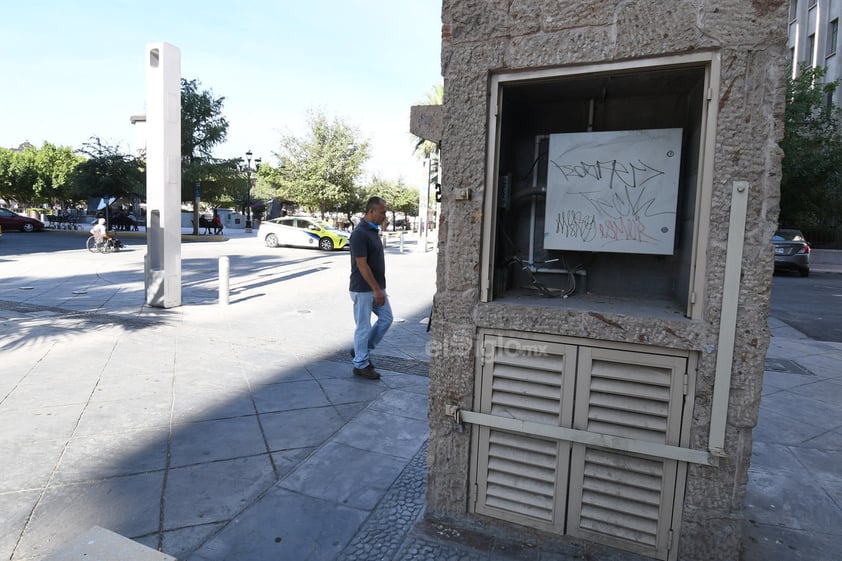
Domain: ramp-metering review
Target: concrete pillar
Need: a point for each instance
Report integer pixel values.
(163, 175)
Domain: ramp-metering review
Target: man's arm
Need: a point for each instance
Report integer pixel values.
(368, 277)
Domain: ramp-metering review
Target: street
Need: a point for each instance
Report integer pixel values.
(812, 305)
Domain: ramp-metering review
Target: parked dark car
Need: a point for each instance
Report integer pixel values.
(792, 252)
(13, 221)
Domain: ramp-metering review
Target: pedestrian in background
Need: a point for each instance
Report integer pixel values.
(368, 287)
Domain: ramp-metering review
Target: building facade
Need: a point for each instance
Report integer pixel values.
(814, 37)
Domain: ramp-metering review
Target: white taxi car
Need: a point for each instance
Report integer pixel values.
(301, 231)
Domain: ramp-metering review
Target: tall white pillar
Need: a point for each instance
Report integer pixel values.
(163, 175)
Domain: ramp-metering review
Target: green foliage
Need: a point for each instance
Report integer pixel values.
(18, 175)
(319, 170)
(399, 197)
(55, 166)
(108, 172)
(811, 185)
(34, 176)
(203, 127)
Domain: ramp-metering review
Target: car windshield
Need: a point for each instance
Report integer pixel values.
(788, 236)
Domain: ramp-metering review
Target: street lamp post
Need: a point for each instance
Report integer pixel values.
(248, 192)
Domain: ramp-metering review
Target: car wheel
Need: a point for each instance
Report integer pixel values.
(805, 272)
(271, 240)
(326, 244)
(27, 227)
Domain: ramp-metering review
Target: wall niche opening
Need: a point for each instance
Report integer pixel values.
(597, 181)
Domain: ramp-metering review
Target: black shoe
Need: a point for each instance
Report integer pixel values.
(354, 355)
(369, 373)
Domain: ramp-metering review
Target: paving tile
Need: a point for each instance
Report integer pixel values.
(43, 423)
(774, 427)
(134, 385)
(285, 525)
(320, 369)
(39, 394)
(765, 542)
(24, 465)
(288, 460)
(223, 439)
(345, 475)
(214, 491)
(126, 505)
(300, 429)
(383, 433)
(770, 456)
(124, 414)
(403, 403)
(180, 543)
(112, 454)
(289, 395)
(805, 409)
(15, 509)
(351, 390)
(772, 498)
(207, 405)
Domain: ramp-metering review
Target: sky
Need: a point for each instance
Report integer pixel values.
(75, 70)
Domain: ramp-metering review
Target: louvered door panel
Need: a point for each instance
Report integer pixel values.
(618, 498)
(518, 477)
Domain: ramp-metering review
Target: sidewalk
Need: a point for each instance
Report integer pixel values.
(238, 433)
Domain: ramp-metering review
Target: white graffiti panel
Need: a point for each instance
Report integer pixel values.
(613, 191)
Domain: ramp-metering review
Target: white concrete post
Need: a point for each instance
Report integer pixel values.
(224, 283)
(163, 175)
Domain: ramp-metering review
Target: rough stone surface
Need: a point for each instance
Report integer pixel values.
(481, 37)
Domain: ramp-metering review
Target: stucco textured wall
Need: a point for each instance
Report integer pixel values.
(483, 36)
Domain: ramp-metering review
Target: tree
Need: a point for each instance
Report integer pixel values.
(31, 175)
(318, 171)
(203, 127)
(811, 184)
(108, 172)
(54, 166)
(399, 197)
(18, 174)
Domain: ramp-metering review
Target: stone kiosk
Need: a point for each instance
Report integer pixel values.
(610, 186)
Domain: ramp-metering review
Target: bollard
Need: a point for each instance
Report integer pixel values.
(224, 273)
(402, 242)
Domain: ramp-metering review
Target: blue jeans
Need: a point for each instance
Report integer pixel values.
(366, 336)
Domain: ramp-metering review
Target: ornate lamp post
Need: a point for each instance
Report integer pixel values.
(248, 193)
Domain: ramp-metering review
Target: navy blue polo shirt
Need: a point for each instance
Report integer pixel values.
(365, 242)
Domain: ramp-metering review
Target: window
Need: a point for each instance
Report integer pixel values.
(793, 10)
(832, 32)
(812, 4)
(811, 49)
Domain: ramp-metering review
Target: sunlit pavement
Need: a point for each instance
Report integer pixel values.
(215, 432)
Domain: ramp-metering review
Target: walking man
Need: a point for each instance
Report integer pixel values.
(368, 287)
